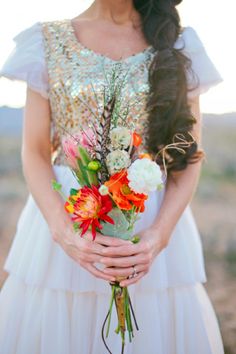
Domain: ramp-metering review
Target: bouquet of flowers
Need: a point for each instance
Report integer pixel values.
(115, 179)
(115, 183)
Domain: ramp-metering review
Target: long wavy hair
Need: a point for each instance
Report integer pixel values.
(169, 114)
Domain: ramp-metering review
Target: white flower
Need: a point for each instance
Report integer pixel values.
(103, 190)
(117, 160)
(144, 176)
(120, 138)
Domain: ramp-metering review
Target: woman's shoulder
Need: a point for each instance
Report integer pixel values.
(54, 30)
(32, 35)
(35, 31)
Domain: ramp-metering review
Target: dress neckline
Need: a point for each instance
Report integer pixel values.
(97, 54)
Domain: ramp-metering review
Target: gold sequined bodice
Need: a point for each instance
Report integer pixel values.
(78, 78)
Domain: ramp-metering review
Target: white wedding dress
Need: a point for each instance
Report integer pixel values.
(49, 304)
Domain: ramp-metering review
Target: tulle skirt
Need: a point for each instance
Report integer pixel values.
(50, 305)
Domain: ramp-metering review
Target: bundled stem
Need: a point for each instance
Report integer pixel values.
(125, 315)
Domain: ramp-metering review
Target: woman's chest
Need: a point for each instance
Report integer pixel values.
(81, 82)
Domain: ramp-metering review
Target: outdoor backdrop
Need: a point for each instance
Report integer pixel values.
(214, 204)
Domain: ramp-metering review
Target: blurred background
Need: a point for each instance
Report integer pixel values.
(214, 204)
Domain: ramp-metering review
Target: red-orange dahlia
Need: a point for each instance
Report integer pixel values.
(88, 207)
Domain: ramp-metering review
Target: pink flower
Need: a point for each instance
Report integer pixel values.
(70, 147)
(87, 139)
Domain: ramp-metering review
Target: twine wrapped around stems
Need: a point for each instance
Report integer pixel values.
(125, 315)
(179, 145)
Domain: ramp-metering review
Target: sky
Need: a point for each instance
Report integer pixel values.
(213, 20)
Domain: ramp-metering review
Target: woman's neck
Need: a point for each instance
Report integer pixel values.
(119, 11)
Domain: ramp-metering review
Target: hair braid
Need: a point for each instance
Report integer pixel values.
(168, 109)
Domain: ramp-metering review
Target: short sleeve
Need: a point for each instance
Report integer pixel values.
(203, 74)
(26, 62)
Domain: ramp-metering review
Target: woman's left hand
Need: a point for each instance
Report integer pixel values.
(123, 261)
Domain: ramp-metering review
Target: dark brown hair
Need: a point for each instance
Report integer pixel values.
(168, 110)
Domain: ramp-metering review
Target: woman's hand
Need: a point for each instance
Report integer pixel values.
(84, 250)
(121, 260)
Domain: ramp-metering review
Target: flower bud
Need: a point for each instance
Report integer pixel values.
(94, 165)
(137, 140)
(135, 239)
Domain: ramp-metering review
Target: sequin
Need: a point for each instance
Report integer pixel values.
(77, 80)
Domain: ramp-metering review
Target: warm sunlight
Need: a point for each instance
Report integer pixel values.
(203, 16)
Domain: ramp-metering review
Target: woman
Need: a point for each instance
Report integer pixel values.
(55, 298)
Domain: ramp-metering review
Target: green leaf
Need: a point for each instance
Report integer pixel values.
(85, 158)
(83, 173)
(56, 186)
(160, 187)
(89, 176)
(76, 226)
(78, 172)
(93, 179)
(73, 191)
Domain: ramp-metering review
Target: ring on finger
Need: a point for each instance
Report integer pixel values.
(134, 274)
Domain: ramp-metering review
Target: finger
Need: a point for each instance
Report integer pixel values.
(124, 250)
(124, 262)
(111, 241)
(89, 257)
(128, 282)
(81, 256)
(97, 273)
(125, 272)
(87, 246)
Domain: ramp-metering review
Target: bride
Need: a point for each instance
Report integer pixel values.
(56, 296)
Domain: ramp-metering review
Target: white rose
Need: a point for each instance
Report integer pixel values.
(144, 176)
(120, 138)
(117, 160)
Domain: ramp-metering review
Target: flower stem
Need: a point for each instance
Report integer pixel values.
(132, 311)
(110, 310)
(127, 315)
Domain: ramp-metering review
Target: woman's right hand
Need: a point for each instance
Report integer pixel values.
(84, 250)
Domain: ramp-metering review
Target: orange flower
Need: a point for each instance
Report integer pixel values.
(89, 207)
(137, 140)
(122, 195)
